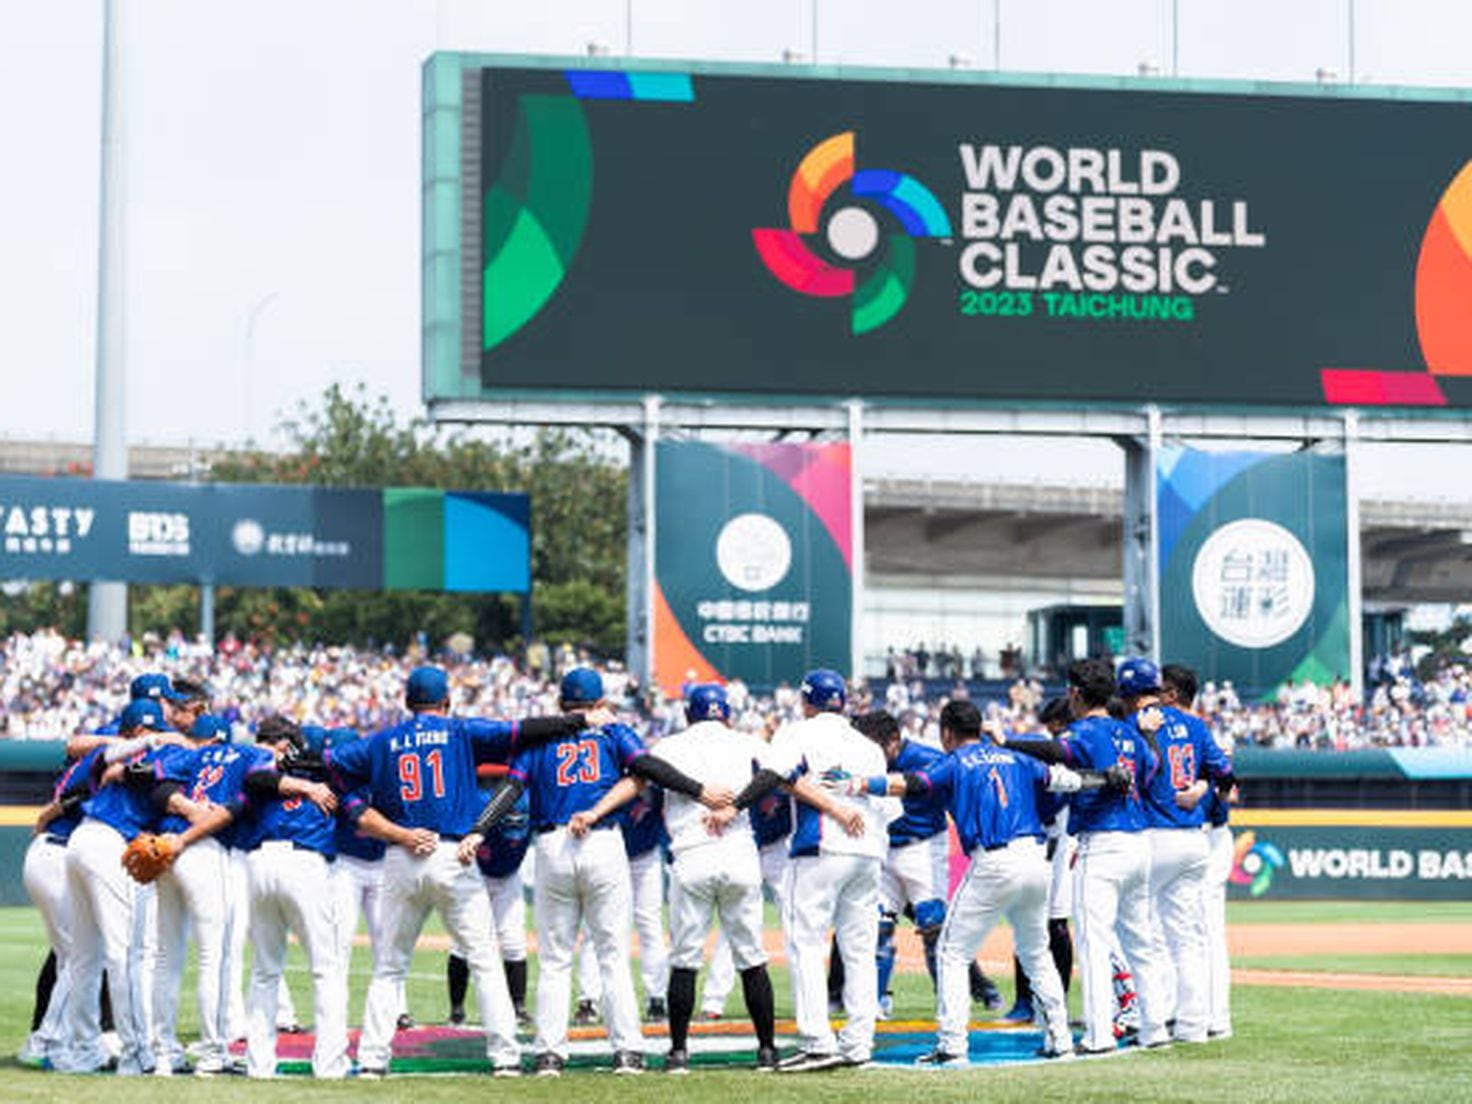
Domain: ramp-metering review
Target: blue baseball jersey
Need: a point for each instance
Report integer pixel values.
(79, 775)
(992, 794)
(569, 776)
(643, 823)
(1187, 753)
(923, 816)
(506, 843)
(218, 778)
(771, 817)
(1098, 743)
(293, 819)
(128, 806)
(350, 841)
(421, 773)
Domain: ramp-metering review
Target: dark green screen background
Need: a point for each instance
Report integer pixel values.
(667, 292)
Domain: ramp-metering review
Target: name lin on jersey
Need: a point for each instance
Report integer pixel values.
(418, 740)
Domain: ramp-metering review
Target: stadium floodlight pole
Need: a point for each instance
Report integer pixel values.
(1175, 38)
(107, 603)
(997, 35)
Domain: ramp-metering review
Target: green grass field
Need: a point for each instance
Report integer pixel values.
(1293, 1046)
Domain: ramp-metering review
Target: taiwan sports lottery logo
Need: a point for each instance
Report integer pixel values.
(878, 282)
(1253, 863)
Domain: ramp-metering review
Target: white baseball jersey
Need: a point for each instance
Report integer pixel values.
(717, 756)
(815, 746)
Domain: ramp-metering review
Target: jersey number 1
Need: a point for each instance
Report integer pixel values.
(411, 783)
(996, 777)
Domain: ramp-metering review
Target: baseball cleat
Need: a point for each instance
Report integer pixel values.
(1217, 1033)
(549, 1065)
(405, 1022)
(677, 1061)
(767, 1059)
(655, 1011)
(1082, 1051)
(1020, 1012)
(585, 1014)
(628, 1062)
(457, 1016)
(811, 1062)
(710, 1015)
(506, 1070)
(941, 1059)
(372, 1073)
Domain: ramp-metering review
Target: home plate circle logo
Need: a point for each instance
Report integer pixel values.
(1253, 583)
(753, 552)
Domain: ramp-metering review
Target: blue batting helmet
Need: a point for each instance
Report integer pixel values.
(707, 702)
(210, 727)
(426, 686)
(1137, 676)
(143, 713)
(824, 689)
(581, 686)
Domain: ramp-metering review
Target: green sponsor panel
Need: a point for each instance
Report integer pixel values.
(1334, 862)
(413, 539)
(1254, 576)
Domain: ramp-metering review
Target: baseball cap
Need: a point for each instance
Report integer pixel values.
(152, 687)
(426, 686)
(210, 726)
(1137, 676)
(581, 686)
(143, 713)
(824, 689)
(707, 702)
(316, 739)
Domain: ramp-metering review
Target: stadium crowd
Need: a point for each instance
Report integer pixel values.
(51, 687)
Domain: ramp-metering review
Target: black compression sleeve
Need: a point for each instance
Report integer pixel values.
(1049, 751)
(661, 773)
(535, 731)
(762, 783)
(160, 794)
(266, 783)
(500, 804)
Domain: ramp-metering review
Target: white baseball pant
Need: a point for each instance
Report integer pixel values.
(841, 892)
(720, 978)
(580, 881)
(192, 893)
(44, 878)
(291, 891)
(107, 916)
(413, 885)
(1111, 893)
(722, 881)
(1214, 908)
(237, 931)
(1178, 858)
(1011, 881)
(508, 917)
(359, 887)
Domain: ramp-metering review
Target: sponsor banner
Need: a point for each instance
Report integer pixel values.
(253, 535)
(714, 231)
(753, 562)
(1356, 860)
(1253, 568)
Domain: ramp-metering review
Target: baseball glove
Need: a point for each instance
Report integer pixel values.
(148, 856)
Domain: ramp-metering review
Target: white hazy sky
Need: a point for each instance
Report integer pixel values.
(272, 164)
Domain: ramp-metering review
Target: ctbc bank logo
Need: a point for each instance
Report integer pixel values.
(1253, 863)
(852, 232)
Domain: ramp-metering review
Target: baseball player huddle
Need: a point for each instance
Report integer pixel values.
(160, 826)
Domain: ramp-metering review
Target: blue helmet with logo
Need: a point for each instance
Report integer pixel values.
(824, 689)
(581, 686)
(210, 727)
(707, 702)
(1137, 676)
(316, 738)
(143, 713)
(153, 687)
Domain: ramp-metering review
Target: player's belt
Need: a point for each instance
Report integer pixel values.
(57, 840)
(543, 829)
(282, 845)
